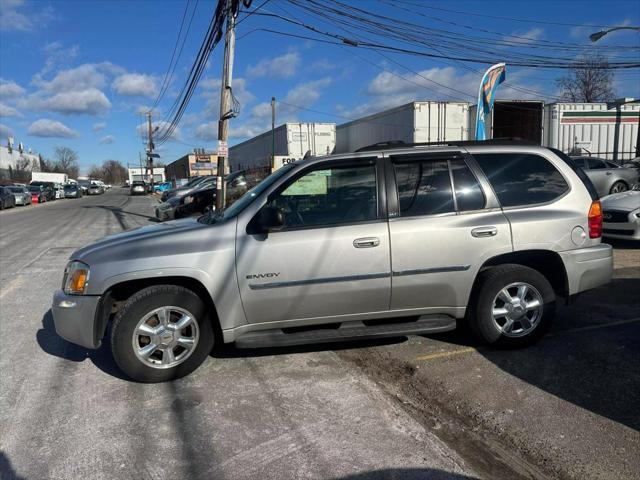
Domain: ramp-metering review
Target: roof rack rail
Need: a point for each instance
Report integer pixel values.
(395, 144)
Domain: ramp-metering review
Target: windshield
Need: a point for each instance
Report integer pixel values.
(34, 189)
(84, 183)
(247, 198)
(16, 189)
(70, 187)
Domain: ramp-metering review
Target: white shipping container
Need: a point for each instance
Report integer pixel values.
(591, 128)
(49, 177)
(414, 122)
(292, 141)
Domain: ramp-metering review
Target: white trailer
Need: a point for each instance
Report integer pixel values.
(593, 129)
(140, 173)
(414, 122)
(290, 142)
(49, 177)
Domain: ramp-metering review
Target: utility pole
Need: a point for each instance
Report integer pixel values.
(225, 104)
(150, 148)
(273, 134)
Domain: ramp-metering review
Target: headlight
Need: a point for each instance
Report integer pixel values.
(76, 277)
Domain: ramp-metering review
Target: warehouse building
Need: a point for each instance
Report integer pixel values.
(17, 162)
(193, 164)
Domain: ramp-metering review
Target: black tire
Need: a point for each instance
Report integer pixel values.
(618, 187)
(132, 312)
(490, 283)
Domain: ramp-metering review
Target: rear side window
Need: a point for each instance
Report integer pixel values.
(469, 195)
(424, 188)
(522, 178)
(595, 164)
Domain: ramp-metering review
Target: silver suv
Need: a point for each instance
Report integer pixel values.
(382, 242)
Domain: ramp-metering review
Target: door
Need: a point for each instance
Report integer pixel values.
(330, 258)
(446, 225)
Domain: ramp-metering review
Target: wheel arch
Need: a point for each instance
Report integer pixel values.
(547, 262)
(116, 294)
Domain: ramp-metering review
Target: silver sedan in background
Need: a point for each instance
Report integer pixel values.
(21, 195)
(607, 176)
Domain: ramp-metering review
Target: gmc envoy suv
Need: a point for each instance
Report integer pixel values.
(388, 241)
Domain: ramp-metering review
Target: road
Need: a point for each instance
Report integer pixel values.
(426, 407)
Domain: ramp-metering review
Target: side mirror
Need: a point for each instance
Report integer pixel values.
(269, 218)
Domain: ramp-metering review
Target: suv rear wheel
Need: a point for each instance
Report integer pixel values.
(514, 306)
(161, 333)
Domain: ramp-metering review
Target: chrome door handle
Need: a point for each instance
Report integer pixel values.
(608, 173)
(366, 242)
(484, 232)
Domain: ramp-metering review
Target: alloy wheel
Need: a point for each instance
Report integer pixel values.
(517, 309)
(165, 337)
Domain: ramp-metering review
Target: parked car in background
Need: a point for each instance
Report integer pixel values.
(633, 164)
(7, 200)
(162, 187)
(21, 195)
(95, 189)
(606, 176)
(48, 189)
(84, 185)
(59, 189)
(621, 215)
(38, 195)
(138, 187)
(191, 184)
(202, 199)
(72, 191)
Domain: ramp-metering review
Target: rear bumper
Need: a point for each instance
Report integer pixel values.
(74, 317)
(588, 268)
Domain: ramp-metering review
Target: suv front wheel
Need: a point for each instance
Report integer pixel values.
(161, 333)
(514, 306)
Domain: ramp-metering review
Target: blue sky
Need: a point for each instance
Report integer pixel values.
(81, 73)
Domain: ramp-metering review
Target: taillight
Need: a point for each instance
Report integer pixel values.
(595, 219)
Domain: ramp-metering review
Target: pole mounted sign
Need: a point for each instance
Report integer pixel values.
(493, 77)
(223, 148)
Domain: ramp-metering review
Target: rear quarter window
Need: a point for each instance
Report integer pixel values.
(520, 179)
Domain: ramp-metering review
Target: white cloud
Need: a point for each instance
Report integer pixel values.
(10, 89)
(136, 84)
(525, 37)
(306, 94)
(161, 127)
(5, 131)
(283, 66)
(50, 128)
(107, 139)
(98, 126)
(7, 111)
(207, 131)
(57, 54)
(83, 102)
(13, 18)
(88, 75)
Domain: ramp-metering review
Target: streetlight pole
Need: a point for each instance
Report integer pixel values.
(594, 37)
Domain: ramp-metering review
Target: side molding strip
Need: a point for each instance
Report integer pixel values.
(420, 271)
(315, 281)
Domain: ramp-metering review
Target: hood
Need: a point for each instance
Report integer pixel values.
(157, 240)
(625, 201)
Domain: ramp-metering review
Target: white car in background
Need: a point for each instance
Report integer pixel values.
(59, 189)
(621, 215)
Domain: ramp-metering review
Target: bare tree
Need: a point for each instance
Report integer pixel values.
(66, 161)
(111, 172)
(589, 80)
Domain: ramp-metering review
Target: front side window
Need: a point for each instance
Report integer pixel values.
(424, 188)
(522, 178)
(329, 196)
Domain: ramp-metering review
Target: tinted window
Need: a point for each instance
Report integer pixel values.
(329, 196)
(522, 178)
(612, 165)
(469, 195)
(424, 188)
(595, 164)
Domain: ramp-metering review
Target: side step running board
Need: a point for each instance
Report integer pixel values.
(346, 331)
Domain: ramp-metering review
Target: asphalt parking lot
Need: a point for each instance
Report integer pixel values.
(425, 407)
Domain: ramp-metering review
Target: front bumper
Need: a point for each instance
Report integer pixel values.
(74, 317)
(623, 230)
(162, 215)
(588, 268)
